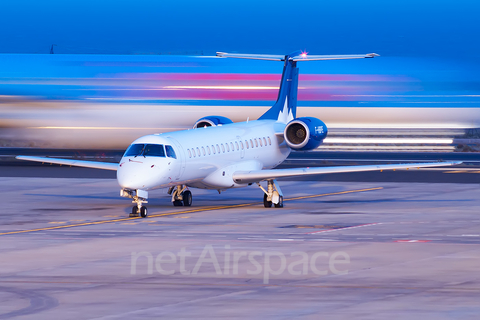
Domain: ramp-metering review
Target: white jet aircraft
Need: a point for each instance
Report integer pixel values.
(219, 154)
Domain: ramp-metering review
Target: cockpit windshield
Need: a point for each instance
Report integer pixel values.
(154, 150)
(149, 150)
(134, 150)
(170, 152)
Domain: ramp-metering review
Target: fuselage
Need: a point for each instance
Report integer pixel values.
(203, 157)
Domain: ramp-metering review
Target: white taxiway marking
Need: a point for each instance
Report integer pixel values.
(347, 228)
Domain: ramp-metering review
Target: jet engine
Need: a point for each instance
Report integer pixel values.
(211, 121)
(305, 133)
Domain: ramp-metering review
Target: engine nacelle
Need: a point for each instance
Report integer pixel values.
(211, 121)
(305, 133)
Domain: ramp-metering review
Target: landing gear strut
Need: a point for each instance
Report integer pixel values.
(180, 196)
(139, 198)
(139, 208)
(273, 194)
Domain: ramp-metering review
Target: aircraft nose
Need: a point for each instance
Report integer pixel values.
(135, 176)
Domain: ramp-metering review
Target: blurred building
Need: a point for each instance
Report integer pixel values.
(106, 101)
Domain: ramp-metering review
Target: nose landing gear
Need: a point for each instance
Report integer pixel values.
(139, 198)
(136, 210)
(139, 208)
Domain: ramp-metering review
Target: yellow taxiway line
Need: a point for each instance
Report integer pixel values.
(182, 212)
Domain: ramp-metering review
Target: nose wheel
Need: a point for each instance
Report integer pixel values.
(139, 197)
(142, 211)
(139, 209)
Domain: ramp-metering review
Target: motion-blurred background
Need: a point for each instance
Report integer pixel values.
(90, 74)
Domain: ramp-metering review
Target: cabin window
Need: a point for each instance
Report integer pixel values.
(223, 148)
(203, 150)
(260, 141)
(218, 148)
(228, 148)
(189, 153)
(213, 149)
(231, 146)
(198, 152)
(170, 152)
(208, 149)
(193, 152)
(236, 144)
(256, 142)
(269, 141)
(154, 150)
(265, 141)
(251, 143)
(246, 143)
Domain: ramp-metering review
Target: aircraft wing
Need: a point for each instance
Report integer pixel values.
(260, 175)
(77, 163)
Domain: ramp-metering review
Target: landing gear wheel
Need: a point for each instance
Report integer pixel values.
(280, 203)
(266, 203)
(134, 212)
(177, 203)
(187, 198)
(143, 212)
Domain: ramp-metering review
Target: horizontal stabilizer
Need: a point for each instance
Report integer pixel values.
(306, 57)
(260, 175)
(298, 57)
(77, 163)
(271, 57)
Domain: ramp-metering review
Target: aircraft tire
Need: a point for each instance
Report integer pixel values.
(134, 212)
(280, 203)
(266, 204)
(143, 212)
(187, 198)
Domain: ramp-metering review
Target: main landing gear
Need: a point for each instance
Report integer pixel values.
(181, 196)
(273, 194)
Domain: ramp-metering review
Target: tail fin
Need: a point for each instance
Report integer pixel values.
(285, 109)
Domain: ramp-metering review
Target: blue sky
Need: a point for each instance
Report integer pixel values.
(407, 28)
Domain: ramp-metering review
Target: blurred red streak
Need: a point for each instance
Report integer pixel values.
(248, 95)
(250, 77)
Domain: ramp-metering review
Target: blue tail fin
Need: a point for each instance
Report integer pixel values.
(285, 109)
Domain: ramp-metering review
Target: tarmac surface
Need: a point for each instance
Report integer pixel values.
(337, 250)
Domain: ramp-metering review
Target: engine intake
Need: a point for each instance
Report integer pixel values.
(306, 133)
(211, 121)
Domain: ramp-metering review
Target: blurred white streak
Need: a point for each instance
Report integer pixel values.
(387, 148)
(389, 140)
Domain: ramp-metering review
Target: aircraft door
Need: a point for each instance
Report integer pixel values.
(181, 159)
